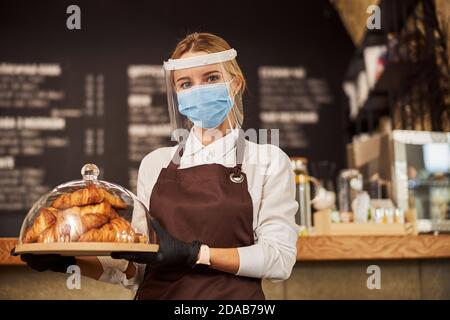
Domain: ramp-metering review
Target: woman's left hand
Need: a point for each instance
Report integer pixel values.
(172, 252)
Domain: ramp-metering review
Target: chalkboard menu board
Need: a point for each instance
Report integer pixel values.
(97, 95)
(289, 101)
(148, 117)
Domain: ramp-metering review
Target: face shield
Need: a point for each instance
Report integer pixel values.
(203, 93)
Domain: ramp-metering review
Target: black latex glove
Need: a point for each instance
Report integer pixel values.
(44, 262)
(172, 252)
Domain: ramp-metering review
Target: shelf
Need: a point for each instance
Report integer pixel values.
(393, 78)
(394, 13)
(393, 18)
(415, 184)
(391, 83)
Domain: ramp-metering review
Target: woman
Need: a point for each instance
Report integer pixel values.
(223, 208)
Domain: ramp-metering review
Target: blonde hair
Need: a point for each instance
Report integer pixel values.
(210, 43)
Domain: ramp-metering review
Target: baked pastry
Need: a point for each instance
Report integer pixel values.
(86, 196)
(92, 220)
(87, 214)
(103, 208)
(117, 230)
(116, 202)
(45, 219)
(140, 238)
(52, 234)
(71, 223)
(68, 227)
(53, 225)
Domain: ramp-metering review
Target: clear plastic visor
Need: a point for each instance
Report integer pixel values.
(202, 92)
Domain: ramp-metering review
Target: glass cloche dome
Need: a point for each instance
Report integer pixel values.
(85, 217)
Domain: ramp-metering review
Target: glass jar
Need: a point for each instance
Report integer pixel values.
(350, 182)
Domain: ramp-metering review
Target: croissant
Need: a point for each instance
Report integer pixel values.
(80, 197)
(113, 214)
(49, 235)
(103, 208)
(68, 227)
(71, 223)
(104, 234)
(117, 230)
(115, 201)
(85, 196)
(45, 218)
(92, 220)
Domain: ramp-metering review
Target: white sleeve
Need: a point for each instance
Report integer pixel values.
(113, 273)
(275, 250)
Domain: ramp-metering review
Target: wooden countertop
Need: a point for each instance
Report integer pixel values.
(320, 248)
(6, 245)
(325, 248)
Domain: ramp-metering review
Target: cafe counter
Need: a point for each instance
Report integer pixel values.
(328, 267)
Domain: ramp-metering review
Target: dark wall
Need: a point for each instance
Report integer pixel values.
(116, 34)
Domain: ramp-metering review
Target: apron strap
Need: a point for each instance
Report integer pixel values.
(240, 150)
(175, 162)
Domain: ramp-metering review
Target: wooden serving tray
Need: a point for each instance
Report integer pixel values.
(84, 248)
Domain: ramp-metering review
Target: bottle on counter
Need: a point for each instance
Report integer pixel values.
(361, 206)
(303, 192)
(350, 183)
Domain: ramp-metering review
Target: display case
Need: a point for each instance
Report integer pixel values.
(421, 167)
(87, 217)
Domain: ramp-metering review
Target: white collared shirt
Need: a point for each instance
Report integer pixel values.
(271, 186)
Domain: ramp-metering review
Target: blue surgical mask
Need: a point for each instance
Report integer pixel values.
(206, 105)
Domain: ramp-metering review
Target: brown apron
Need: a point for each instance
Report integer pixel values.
(202, 203)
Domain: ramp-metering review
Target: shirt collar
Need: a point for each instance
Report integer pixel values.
(218, 148)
